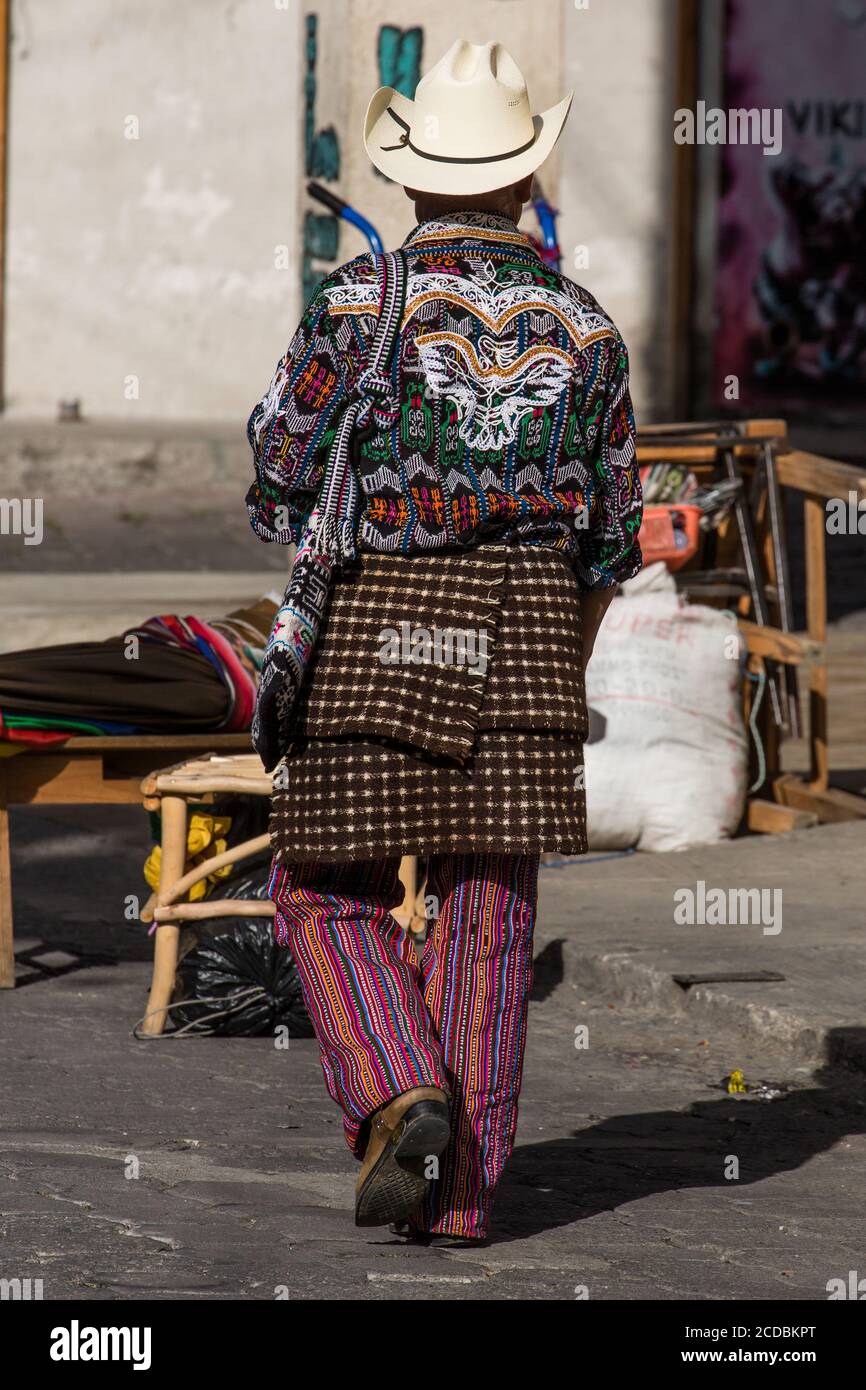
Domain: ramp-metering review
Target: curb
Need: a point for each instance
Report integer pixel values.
(632, 981)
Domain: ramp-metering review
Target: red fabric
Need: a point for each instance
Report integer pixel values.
(35, 738)
(243, 690)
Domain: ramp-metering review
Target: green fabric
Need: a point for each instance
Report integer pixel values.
(24, 721)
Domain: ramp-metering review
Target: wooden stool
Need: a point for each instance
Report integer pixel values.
(169, 792)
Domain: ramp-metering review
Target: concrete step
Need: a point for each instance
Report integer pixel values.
(40, 610)
(615, 917)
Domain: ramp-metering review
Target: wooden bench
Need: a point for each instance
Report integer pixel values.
(84, 771)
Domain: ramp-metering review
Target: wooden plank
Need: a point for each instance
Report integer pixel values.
(822, 477)
(705, 455)
(818, 733)
(747, 429)
(409, 878)
(210, 866)
(219, 907)
(129, 762)
(149, 789)
(84, 776)
(816, 622)
(191, 786)
(56, 780)
(830, 806)
(171, 867)
(781, 646)
(91, 771)
(778, 429)
(770, 818)
(172, 743)
(228, 765)
(675, 453)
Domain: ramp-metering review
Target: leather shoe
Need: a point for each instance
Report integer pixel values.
(404, 1136)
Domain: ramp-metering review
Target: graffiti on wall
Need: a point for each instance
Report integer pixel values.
(321, 232)
(399, 53)
(791, 279)
(399, 62)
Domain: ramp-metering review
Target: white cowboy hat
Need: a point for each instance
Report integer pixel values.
(469, 128)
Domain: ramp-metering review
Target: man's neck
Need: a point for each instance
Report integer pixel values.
(440, 209)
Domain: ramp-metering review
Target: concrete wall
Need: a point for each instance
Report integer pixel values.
(152, 257)
(616, 188)
(155, 258)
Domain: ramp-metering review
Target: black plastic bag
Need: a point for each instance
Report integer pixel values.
(235, 980)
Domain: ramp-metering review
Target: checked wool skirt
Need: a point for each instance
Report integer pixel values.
(398, 757)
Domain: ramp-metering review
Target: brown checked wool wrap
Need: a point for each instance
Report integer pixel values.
(404, 758)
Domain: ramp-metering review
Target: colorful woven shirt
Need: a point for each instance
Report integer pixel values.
(514, 420)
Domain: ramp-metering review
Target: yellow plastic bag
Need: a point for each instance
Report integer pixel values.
(205, 839)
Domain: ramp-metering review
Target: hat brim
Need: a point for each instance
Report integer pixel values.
(403, 165)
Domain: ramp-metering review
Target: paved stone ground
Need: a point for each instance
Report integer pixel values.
(617, 1185)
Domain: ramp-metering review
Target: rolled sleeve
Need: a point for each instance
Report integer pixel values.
(609, 551)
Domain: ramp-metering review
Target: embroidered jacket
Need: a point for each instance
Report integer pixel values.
(514, 419)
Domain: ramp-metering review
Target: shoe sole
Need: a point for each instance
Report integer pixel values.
(398, 1183)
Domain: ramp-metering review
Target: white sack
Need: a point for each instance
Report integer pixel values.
(667, 766)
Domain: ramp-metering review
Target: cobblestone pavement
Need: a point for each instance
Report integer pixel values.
(617, 1188)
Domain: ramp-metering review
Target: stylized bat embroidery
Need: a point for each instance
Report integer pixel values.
(495, 386)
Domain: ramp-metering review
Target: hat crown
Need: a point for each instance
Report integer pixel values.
(475, 62)
(473, 102)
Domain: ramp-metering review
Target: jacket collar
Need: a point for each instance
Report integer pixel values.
(470, 225)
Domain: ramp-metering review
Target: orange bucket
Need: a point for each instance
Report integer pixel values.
(670, 533)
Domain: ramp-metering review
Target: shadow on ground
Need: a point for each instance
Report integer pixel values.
(628, 1157)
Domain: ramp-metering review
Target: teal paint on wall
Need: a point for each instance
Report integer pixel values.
(322, 147)
(321, 231)
(399, 57)
(321, 243)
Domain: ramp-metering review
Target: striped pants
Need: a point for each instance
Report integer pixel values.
(386, 1023)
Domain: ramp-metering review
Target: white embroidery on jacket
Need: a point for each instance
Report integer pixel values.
(492, 384)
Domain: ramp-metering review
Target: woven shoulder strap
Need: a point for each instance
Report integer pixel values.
(375, 379)
(338, 502)
(329, 535)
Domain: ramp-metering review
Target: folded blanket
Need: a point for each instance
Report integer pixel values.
(170, 675)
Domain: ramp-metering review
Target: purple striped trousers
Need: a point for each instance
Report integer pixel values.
(386, 1022)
